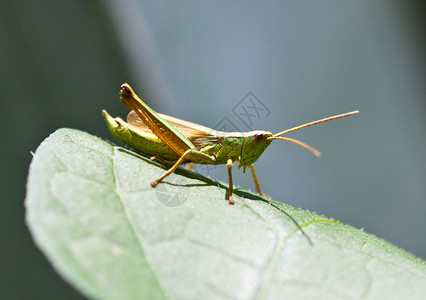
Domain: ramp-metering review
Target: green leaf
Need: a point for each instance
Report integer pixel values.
(92, 211)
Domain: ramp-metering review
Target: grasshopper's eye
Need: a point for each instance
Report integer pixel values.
(257, 137)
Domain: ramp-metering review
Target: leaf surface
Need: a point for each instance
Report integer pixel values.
(92, 211)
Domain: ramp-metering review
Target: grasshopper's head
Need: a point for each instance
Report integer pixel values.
(254, 144)
(257, 141)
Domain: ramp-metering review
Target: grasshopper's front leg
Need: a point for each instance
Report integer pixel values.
(256, 182)
(231, 185)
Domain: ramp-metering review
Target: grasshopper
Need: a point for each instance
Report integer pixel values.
(174, 141)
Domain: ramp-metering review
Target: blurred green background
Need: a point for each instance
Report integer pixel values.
(62, 62)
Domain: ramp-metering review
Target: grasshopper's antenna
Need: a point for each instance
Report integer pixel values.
(301, 144)
(316, 122)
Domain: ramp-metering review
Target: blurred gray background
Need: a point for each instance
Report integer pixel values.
(62, 62)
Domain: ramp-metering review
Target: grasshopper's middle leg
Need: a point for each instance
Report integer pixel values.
(163, 161)
(172, 169)
(181, 160)
(231, 185)
(189, 166)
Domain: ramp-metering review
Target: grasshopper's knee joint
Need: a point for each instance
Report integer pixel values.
(154, 183)
(229, 163)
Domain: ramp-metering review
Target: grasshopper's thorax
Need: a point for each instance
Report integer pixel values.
(254, 143)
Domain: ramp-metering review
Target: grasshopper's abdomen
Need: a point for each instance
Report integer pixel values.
(149, 145)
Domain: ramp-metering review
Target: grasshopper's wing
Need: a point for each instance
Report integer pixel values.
(197, 134)
(169, 135)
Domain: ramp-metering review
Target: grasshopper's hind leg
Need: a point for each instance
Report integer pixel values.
(231, 185)
(256, 182)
